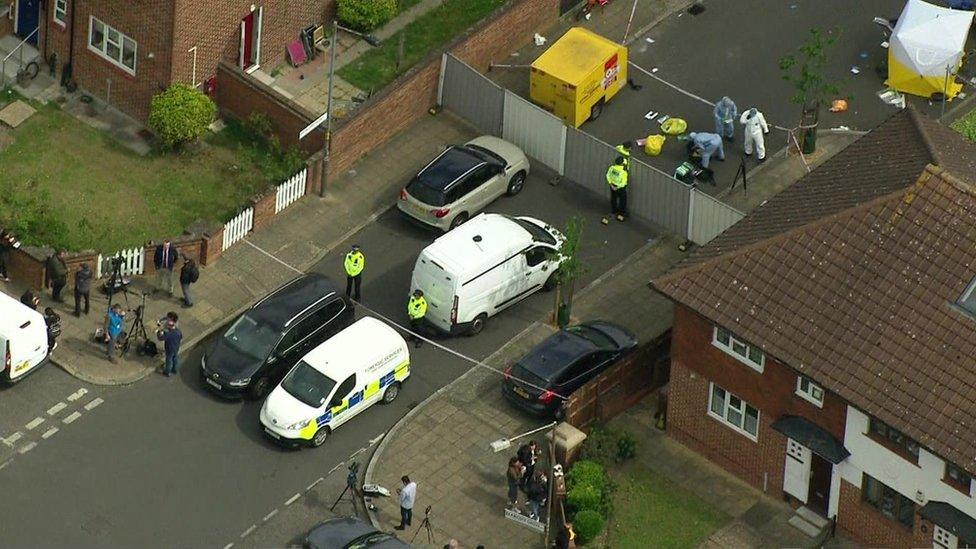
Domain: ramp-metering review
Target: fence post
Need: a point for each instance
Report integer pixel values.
(691, 213)
(440, 81)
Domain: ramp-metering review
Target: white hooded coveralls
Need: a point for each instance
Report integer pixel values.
(755, 128)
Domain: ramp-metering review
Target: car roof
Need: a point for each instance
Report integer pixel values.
(13, 314)
(291, 299)
(449, 167)
(482, 242)
(346, 527)
(368, 338)
(553, 354)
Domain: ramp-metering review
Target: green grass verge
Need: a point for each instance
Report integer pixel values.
(66, 184)
(966, 125)
(650, 511)
(377, 67)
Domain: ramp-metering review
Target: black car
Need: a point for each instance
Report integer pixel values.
(562, 363)
(350, 533)
(259, 348)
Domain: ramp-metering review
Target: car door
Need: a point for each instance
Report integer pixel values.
(327, 321)
(537, 265)
(476, 191)
(296, 342)
(583, 370)
(339, 402)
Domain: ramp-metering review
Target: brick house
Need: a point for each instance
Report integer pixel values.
(824, 348)
(127, 51)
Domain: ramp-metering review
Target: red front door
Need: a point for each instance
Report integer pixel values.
(247, 41)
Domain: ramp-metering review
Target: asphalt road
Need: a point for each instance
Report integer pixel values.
(163, 463)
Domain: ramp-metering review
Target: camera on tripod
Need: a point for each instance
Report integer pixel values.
(116, 261)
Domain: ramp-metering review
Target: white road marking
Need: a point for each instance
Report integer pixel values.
(310, 486)
(93, 404)
(373, 441)
(292, 499)
(249, 531)
(9, 441)
(269, 515)
(34, 423)
(77, 394)
(49, 433)
(4, 464)
(27, 447)
(56, 408)
(357, 452)
(73, 416)
(228, 546)
(334, 469)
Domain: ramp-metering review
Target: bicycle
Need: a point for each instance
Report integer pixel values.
(584, 11)
(27, 72)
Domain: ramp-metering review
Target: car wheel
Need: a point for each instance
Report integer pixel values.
(391, 392)
(516, 184)
(458, 220)
(596, 110)
(320, 437)
(477, 324)
(260, 388)
(560, 412)
(551, 282)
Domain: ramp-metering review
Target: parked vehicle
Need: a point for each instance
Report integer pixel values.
(358, 367)
(462, 180)
(350, 533)
(562, 363)
(262, 344)
(23, 339)
(486, 265)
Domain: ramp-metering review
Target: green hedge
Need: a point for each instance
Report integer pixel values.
(588, 524)
(366, 15)
(586, 473)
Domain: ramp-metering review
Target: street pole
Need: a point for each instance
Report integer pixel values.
(328, 107)
(552, 480)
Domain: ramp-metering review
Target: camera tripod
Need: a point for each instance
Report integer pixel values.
(425, 524)
(350, 485)
(116, 282)
(138, 330)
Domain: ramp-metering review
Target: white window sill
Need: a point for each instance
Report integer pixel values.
(742, 432)
(757, 367)
(810, 399)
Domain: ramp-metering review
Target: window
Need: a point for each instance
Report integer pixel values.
(893, 439)
(889, 502)
(809, 390)
(117, 48)
(733, 411)
(343, 391)
(955, 476)
(325, 315)
(749, 354)
(61, 12)
(476, 179)
(536, 256)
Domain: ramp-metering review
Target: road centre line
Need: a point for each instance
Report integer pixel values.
(314, 484)
(49, 433)
(93, 404)
(292, 499)
(34, 423)
(228, 546)
(77, 394)
(249, 531)
(27, 447)
(9, 441)
(56, 408)
(269, 515)
(73, 416)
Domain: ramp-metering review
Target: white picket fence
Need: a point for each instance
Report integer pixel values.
(237, 228)
(291, 190)
(133, 262)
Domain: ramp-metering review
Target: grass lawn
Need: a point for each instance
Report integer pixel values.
(377, 67)
(650, 511)
(66, 184)
(966, 125)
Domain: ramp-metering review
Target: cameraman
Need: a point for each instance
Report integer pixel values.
(114, 321)
(169, 333)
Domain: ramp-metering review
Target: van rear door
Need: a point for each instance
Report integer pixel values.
(438, 286)
(27, 347)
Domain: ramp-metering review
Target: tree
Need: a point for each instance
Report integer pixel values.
(571, 268)
(805, 70)
(180, 115)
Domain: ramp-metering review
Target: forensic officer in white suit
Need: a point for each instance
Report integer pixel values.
(756, 128)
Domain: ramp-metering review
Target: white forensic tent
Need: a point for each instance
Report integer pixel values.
(926, 47)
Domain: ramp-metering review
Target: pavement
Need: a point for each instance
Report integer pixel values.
(443, 444)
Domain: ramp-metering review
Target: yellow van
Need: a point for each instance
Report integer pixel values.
(577, 75)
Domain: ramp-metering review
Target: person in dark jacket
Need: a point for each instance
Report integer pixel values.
(189, 274)
(514, 476)
(171, 336)
(164, 259)
(537, 491)
(527, 454)
(53, 322)
(6, 244)
(30, 299)
(57, 274)
(83, 279)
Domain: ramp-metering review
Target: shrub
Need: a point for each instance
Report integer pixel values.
(585, 497)
(606, 446)
(366, 15)
(626, 446)
(966, 125)
(586, 473)
(587, 524)
(180, 115)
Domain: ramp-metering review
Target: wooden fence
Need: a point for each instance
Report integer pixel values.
(621, 386)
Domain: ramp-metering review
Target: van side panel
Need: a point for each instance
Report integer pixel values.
(485, 293)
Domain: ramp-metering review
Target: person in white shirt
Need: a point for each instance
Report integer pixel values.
(408, 495)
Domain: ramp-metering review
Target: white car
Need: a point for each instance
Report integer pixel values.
(361, 365)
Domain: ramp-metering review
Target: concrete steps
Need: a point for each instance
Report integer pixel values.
(812, 517)
(8, 44)
(813, 525)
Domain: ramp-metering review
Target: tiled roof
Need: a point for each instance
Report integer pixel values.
(860, 295)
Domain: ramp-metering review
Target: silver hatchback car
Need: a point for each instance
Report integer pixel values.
(462, 181)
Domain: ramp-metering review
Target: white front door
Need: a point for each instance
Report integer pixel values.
(943, 539)
(796, 475)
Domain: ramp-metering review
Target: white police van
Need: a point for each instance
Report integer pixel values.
(361, 365)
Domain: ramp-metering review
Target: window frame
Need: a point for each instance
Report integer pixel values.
(742, 410)
(963, 484)
(888, 436)
(898, 499)
(730, 349)
(808, 393)
(60, 7)
(120, 42)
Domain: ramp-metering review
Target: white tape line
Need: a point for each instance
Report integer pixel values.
(269, 515)
(73, 416)
(34, 423)
(77, 394)
(27, 447)
(249, 531)
(93, 404)
(56, 408)
(49, 433)
(258, 248)
(670, 85)
(292, 499)
(314, 484)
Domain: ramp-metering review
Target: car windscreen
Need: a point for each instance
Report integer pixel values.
(308, 384)
(524, 375)
(425, 193)
(487, 155)
(595, 337)
(253, 338)
(538, 233)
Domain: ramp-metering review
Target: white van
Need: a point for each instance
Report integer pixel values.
(23, 339)
(335, 381)
(484, 266)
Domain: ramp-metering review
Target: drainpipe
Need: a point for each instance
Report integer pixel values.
(66, 69)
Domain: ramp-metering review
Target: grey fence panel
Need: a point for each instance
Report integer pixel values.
(471, 96)
(540, 134)
(710, 217)
(651, 195)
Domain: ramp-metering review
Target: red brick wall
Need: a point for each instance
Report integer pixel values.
(54, 35)
(866, 525)
(6, 25)
(186, 245)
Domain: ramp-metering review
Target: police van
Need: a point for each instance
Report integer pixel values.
(361, 365)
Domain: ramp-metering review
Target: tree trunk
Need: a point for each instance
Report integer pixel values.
(555, 305)
(810, 118)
